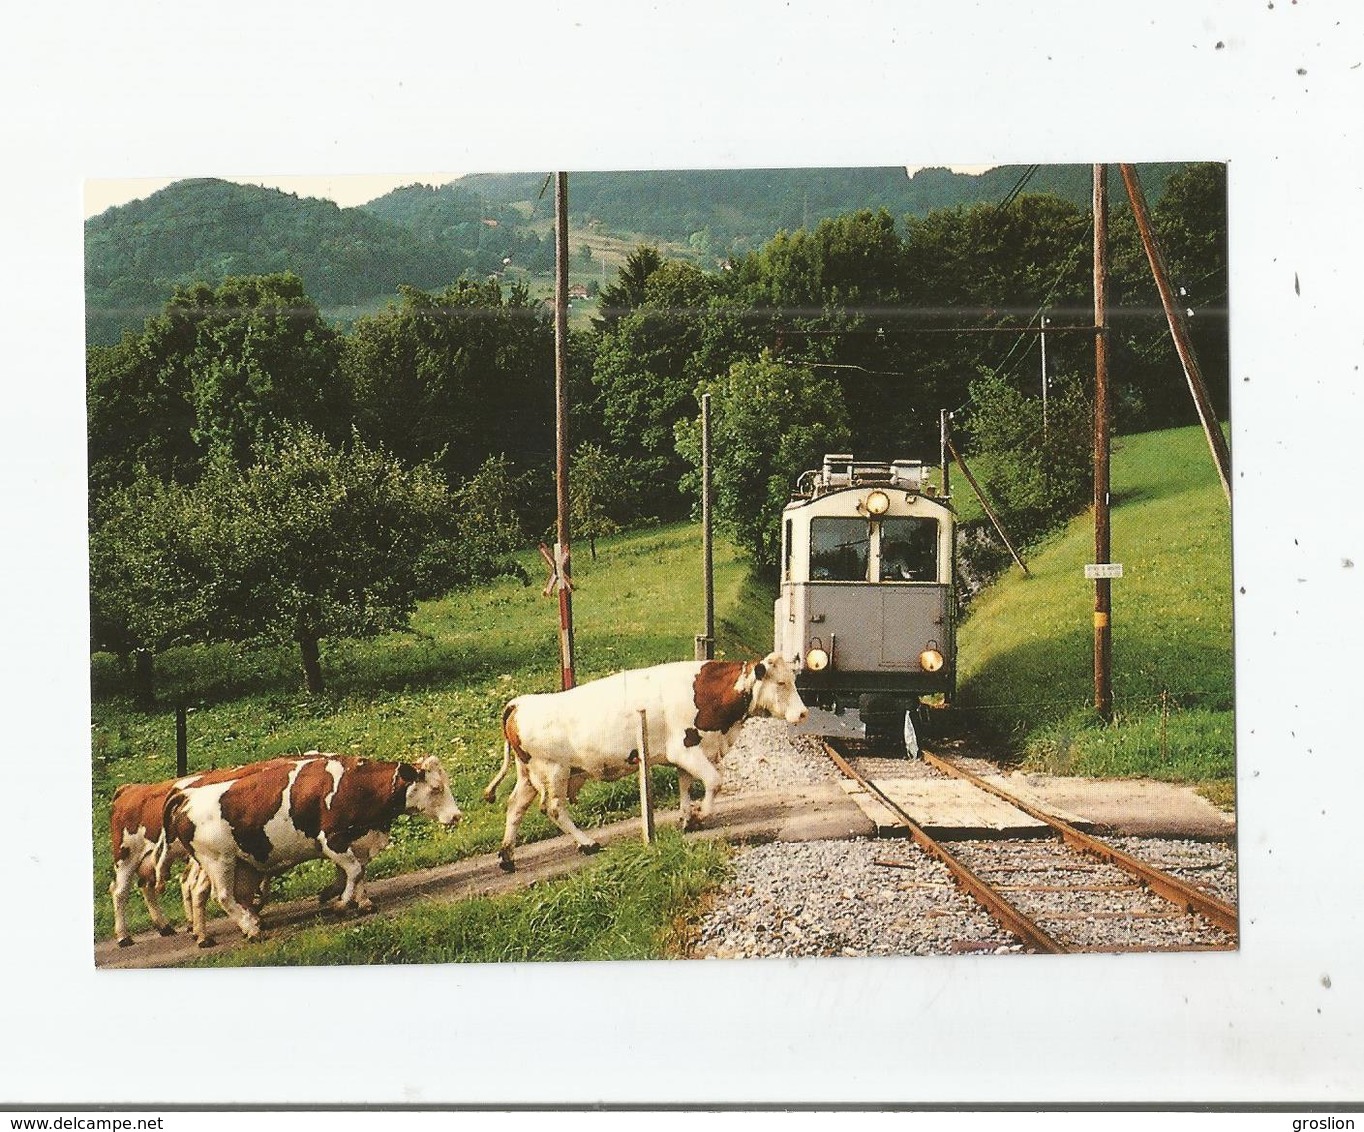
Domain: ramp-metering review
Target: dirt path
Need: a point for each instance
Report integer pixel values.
(809, 813)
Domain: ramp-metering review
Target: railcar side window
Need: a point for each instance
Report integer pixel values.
(840, 550)
(909, 550)
(786, 552)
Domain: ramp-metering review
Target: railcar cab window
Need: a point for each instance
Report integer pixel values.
(840, 550)
(909, 550)
(887, 550)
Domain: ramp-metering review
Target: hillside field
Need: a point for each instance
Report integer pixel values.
(1026, 648)
(440, 686)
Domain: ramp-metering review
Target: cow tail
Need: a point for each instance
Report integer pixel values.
(490, 791)
(170, 810)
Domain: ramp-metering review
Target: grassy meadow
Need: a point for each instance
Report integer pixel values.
(1026, 676)
(1026, 648)
(438, 689)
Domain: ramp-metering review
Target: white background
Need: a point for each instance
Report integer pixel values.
(144, 88)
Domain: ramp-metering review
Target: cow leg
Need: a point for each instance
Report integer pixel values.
(222, 874)
(151, 896)
(522, 795)
(335, 889)
(194, 891)
(555, 797)
(691, 764)
(250, 887)
(684, 781)
(358, 855)
(124, 871)
(353, 890)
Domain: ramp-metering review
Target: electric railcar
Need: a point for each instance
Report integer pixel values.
(867, 607)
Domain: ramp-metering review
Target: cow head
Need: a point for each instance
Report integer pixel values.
(774, 690)
(428, 791)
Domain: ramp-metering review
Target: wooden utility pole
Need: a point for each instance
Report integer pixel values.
(705, 645)
(942, 452)
(563, 573)
(1179, 328)
(985, 503)
(646, 793)
(1103, 587)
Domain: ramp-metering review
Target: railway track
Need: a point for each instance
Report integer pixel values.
(1066, 891)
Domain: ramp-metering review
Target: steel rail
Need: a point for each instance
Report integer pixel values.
(1171, 888)
(987, 897)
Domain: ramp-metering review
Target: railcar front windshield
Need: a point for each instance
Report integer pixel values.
(909, 550)
(840, 550)
(886, 550)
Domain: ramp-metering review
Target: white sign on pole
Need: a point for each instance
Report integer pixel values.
(1103, 570)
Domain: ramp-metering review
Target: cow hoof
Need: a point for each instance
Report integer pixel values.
(205, 943)
(166, 930)
(125, 941)
(506, 864)
(588, 850)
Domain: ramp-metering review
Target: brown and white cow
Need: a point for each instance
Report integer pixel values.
(694, 710)
(320, 805)
(135, 830)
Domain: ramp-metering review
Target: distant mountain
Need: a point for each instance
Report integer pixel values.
(743, 209)
(354, 258)
(205, 230)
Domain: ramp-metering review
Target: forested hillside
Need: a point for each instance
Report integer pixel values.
(353, 260)
(261, 471)
(738, 210)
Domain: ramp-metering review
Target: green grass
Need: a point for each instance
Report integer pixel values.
(1026, 650)
(438, 688)
(1026, 674)
(632, 902)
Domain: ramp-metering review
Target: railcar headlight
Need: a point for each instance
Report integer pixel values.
(816, 660)
(931, 660)
(877, 503)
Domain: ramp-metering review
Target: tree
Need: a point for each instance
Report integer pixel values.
(646, 367)
(596, 490)
(263, 358)
(1190, 220)
(311, 542)
(217, 372)
(147, 590)
(1038, 475)
(456, 376)
(769, 422)
(628, 290)
(139, 418)
(493, 510)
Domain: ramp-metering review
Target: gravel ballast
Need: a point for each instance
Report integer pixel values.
(877, 897)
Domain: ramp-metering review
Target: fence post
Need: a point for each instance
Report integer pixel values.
(646, 794)
(181, 742)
